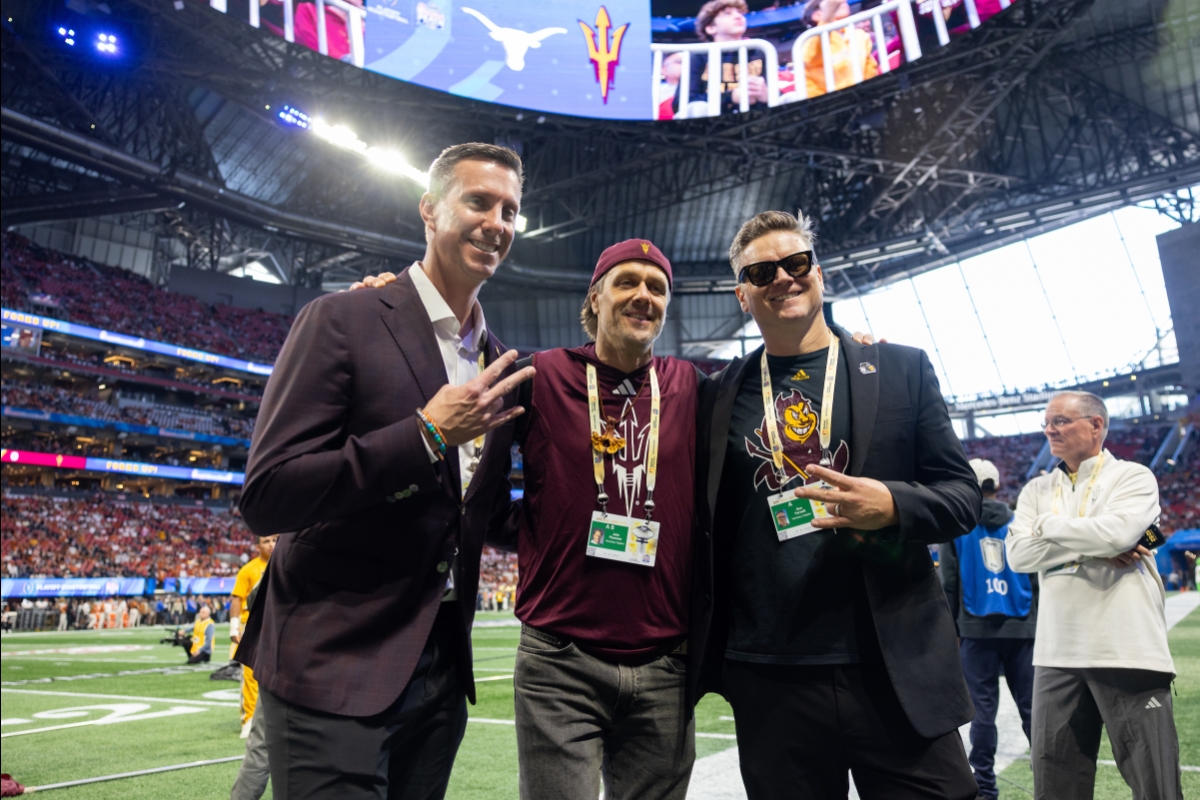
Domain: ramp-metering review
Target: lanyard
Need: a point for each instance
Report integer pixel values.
(1087, 493)
(824, 426)
(595, 423)
(479, 438)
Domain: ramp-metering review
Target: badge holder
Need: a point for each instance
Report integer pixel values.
(612, 536)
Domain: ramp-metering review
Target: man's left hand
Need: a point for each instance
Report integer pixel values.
(861, 503)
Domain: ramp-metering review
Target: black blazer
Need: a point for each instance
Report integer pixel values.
(338, 457)
(900, 434)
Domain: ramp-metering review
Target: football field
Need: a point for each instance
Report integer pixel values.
(83, 705)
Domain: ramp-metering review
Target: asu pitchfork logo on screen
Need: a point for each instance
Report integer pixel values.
(603, 53)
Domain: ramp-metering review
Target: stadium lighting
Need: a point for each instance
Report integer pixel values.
(294, 117)
(68, 35)
(522, 224)
(107, 43)
(393, 162)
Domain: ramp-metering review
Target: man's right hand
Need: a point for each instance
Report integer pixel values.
(471, 410)
(374, 281)
(1130, 558)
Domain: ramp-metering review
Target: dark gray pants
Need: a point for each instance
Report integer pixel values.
(578, 716)
(255, 772)
(404, 753)
(1069, 708)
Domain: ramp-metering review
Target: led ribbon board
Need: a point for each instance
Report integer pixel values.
(139, 469)
(72, 587)
(16, 319)
(615, 59)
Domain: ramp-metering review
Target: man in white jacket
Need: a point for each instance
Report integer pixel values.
(1100, 656)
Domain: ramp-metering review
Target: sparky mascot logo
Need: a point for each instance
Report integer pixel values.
(603, 53)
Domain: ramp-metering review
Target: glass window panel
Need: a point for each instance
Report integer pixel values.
(961, 349)
(1013, 311)
(1010, 424)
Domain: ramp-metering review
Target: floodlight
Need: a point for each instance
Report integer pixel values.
(522, 224)
(106, 43)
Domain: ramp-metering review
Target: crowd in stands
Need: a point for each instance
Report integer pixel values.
(100, 537)
(497, 581)
(1179, 493)
(1012, 455)
(117, 299)
(54, 399)
(96, 613)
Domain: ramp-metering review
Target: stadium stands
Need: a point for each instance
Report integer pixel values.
(98, 536)
(116, 299)
(1012, 455)
(53, 399)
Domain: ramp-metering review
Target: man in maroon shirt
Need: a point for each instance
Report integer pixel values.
(605, 549)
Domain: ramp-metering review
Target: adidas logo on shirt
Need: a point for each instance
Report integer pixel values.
(800, 376)
(626, 388)
(1154, 703)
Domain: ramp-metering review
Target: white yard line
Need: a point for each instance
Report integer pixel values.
(119, 775)
(1179, 606)
(216, 703)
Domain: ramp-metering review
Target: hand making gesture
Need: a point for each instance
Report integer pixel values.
(864, 504)
(471, 410)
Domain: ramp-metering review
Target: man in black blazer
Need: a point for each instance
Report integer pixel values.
(827, 629)
(381, 454)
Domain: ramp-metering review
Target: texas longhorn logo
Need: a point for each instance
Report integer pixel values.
(604, 55)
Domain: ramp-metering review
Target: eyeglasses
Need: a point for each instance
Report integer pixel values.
(1060, 422)
(763, 273)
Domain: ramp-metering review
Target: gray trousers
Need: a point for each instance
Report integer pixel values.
(1069, 708)
(578, 716)
(254, 773)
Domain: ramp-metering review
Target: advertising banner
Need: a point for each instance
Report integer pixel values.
(129, 427)
(36, 321)
(72, 587)
(125, 467)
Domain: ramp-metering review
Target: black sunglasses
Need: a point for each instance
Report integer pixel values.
(763, 273)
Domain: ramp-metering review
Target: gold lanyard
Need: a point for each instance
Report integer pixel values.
(1087, 493)
(825, 425)
(593, 386)
(479, 438)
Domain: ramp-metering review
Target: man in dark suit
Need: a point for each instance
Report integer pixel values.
(830, 466)
(381, 453)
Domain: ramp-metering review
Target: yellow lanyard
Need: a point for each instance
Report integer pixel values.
(479, 438)
(1087, 493)
(824, 426)
(593, 386)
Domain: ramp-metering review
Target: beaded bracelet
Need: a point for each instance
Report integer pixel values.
(434, 431)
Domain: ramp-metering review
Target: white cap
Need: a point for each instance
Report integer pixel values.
(985, 470)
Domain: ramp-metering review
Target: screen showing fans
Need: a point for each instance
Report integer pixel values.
(623, 59)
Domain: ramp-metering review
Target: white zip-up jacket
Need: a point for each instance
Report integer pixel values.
(1092, 614)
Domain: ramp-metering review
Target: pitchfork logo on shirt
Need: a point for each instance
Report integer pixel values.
(801, 445)
(629, 463)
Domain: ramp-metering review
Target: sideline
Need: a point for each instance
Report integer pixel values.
(119, 775)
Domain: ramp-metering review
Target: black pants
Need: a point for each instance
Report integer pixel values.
(404, 753)
(801, 729)
(204, 656)
(982, 661)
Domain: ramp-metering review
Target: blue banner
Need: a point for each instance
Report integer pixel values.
(129, 427)
(205, 585)
(135, 342)
(72, 587)
(164, 471)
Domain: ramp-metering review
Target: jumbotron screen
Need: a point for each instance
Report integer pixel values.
(622, 59)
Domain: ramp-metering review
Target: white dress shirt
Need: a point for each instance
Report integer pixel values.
(460, 352)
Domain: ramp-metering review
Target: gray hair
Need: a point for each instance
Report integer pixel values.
(1090, 405)
(761, 224)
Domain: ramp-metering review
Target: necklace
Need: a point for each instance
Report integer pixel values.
(608, 441)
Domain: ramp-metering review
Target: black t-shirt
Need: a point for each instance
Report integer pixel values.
(801, 601)
(730, 72)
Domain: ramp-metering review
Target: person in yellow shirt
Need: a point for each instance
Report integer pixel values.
(845, 45)
(203, 634)
(248, 579)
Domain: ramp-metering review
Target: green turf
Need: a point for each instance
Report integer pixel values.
(37, 686)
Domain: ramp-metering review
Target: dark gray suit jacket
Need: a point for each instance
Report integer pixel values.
(338, 457)
(900, 434)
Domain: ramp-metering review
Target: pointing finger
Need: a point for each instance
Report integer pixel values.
(493, 370)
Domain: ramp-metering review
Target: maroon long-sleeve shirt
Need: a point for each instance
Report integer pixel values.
(615, 610)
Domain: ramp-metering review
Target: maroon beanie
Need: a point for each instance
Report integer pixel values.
(631, 250)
